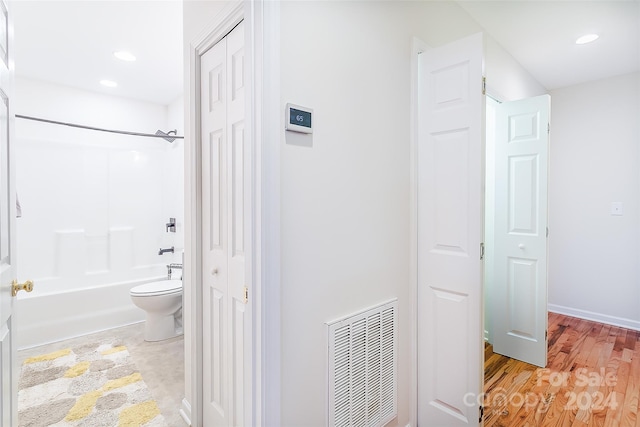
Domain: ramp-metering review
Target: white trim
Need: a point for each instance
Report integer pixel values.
(253, 64)
(185, 411)
(192, 266)
(269, 207)
(595, 317)
(417, 47)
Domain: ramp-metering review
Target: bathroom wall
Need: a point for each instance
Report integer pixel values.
(173, 179)
(94, 207)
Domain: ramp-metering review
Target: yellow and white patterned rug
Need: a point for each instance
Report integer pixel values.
(93, 385)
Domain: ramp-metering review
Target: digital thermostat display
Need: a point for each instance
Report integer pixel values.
(299, 119)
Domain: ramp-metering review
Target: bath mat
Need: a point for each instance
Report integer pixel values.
(93, 385)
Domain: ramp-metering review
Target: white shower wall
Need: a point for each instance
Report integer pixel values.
(94, 208)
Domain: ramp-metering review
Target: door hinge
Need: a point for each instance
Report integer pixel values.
(481, 410)
(246, 294)
(548, 128)
(546, 335)
(481, 251)
(547, 231)
(484, 85)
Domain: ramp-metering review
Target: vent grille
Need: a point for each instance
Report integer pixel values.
(362, 368)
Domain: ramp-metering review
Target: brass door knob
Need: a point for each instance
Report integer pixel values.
(16, 287)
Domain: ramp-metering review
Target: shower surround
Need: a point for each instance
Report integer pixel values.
(94, 208)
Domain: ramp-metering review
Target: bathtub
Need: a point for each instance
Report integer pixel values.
(53, 312)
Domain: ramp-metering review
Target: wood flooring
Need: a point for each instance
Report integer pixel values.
(592, 379)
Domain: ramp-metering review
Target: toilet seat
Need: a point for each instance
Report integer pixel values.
(163, 287)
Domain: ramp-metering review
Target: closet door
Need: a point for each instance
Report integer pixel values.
(519, 294)
(450, 210)
(223, 210)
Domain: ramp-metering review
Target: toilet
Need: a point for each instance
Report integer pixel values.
(162, 302)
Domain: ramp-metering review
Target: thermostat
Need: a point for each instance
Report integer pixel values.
(298, 119)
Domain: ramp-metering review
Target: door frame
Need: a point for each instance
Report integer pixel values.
(262, 117)
(417, 48)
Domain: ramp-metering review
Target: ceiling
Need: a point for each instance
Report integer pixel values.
(71, 42)
(541, 34)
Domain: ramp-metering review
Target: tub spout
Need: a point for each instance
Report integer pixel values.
(161, 251)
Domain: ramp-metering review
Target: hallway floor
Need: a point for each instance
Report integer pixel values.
(592, 378)
(160, 363)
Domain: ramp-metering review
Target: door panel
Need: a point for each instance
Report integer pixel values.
(214, 172)
(237, 373)
(450, 212)
(524, 203)
(223, 200)
(520, 301)
(237, 189)
(450, 155)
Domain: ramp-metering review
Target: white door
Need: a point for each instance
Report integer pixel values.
(450, 227)
(8, 361)
(224, 162)
(520, 268)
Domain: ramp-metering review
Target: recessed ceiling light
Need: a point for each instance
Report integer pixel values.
(588, 38)
(108, 83)
(123, 55)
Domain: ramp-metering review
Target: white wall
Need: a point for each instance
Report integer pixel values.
(345, 241)
(507, 80)
(94, 204)
(345, 198)
(594, 256)
(345, 190)
(173, 178)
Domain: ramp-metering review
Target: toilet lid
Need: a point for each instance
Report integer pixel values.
(162, 287)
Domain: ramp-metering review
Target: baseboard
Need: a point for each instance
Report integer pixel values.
(596, 317)
(185, 411)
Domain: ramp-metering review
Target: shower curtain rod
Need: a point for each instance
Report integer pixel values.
(123, 132)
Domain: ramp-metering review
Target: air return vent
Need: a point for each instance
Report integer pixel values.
(362, 368)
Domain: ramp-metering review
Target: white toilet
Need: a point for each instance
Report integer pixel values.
(162, 301)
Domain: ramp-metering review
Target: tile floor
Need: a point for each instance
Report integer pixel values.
(160, 363)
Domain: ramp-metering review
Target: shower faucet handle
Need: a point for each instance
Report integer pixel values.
(171, 225)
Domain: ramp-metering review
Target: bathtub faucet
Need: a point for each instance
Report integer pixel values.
(172, 266)
(161, 251)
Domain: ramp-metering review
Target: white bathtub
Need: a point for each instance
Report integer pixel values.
(44, 317)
